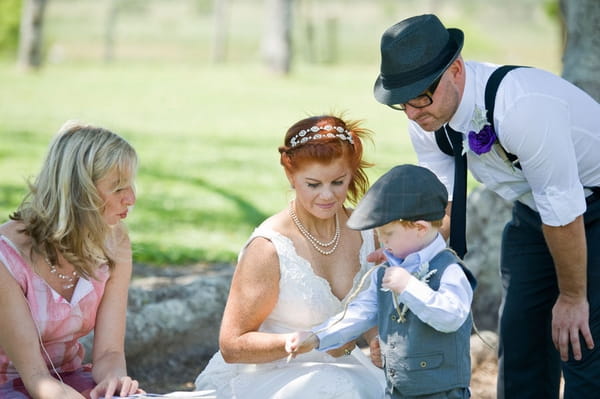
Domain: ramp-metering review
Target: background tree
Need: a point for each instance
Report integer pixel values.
(110, 30)
(30, 40)
(277, 38)
(117, 9)
(581, 57)
(10, 10)
(220, 29)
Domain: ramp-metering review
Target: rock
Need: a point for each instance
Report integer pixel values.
(173, 319)
(484, 365)
(487, 214)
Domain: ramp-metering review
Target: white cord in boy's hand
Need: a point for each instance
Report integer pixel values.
(395, 279)
(300, 342)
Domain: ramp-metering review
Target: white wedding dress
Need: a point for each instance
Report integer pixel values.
(305, 300)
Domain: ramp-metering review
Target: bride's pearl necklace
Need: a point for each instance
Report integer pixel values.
(318, 245)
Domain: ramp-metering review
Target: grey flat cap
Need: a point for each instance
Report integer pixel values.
(406, 192)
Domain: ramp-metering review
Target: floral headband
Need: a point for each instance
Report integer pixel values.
(301, 137)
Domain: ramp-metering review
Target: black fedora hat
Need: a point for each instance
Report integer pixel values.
(405, 192)
(414, 53)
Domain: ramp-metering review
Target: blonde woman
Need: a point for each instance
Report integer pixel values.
(65, 266)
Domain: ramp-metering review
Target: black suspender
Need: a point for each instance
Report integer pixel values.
(490, 102)
(491, 88)
(443, 141)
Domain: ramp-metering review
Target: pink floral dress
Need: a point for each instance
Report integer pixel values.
(60, 323)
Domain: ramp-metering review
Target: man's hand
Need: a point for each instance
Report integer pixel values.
(375, 352)
(570, 314)
(569, 319)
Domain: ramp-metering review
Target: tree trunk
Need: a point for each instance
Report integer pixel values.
(277, 43)
(581, 57)
(221, 25)
(109, 31)
(30, 41)
(306, 19)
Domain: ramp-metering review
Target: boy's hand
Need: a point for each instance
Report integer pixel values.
(395, 279)
(300, 342)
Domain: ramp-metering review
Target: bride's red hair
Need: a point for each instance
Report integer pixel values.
(346, 144)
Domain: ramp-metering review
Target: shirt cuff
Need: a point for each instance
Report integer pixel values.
(558, 207)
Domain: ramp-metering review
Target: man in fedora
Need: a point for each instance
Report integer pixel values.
(533, 138)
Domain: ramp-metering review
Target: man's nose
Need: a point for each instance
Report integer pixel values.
(411, 112)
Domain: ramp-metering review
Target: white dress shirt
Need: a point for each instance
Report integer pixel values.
(445, 309)
(549, 124)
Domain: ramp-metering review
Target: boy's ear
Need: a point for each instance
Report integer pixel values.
(422, 226)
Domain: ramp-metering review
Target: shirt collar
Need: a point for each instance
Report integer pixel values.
(412, 262)
(461, 120)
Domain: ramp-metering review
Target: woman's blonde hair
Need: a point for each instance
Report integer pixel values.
(63, 210)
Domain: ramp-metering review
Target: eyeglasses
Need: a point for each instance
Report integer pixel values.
(420, 101)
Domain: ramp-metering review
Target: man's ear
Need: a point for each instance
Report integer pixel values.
(456, 70)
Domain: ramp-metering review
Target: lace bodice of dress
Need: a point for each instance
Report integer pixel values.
(305, 299)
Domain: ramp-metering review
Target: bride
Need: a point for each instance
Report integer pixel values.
(299, 267)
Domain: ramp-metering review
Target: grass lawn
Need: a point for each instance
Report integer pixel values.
(207, 134)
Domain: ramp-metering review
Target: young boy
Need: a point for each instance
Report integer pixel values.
(421, 303)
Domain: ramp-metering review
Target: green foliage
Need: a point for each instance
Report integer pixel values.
(10, 15)
(207, 141)
(207, 135)
(204, 6)
(552, 8)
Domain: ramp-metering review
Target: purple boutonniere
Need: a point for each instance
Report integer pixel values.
(482, 141)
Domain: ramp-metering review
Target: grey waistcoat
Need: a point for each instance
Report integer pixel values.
(418, 359)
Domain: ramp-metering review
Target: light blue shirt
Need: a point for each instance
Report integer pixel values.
(445, 309)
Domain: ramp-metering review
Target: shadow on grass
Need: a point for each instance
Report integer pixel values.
(251, 215)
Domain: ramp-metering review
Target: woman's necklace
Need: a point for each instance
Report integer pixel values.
(318, 245)
(69, 279)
